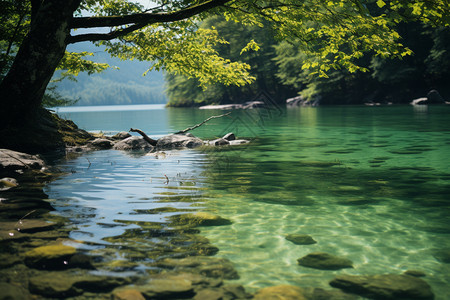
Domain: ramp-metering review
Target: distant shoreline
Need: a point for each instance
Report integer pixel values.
(128, 107)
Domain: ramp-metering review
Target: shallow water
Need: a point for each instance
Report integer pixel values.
(367, 183)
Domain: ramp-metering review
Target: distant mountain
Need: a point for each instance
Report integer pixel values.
(125, 85)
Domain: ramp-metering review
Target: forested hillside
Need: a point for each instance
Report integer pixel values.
(278, 69)
(122, 84)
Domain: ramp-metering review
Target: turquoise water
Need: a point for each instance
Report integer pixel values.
(368, 183)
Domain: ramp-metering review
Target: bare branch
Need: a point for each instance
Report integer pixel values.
(200, 124)
(146, 138)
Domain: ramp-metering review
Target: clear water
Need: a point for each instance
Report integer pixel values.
(368, 183)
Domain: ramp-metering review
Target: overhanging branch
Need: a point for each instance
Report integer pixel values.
(135, 21)
(93, 37)
(145, 18)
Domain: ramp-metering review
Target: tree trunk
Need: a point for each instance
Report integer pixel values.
(22, 89)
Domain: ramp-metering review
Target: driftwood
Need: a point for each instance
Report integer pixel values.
(146, 137)
(153, 142)
(200, 124)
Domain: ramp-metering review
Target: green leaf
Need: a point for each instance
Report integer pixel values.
(381, 3)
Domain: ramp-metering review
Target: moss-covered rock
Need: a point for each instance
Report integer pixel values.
(285, 292)
(324, 261)
(300, 239)
(52, 257)
(127, 294)
(64, 284)
(10, 291)
(211, 267)
(199, 219)
(386, 287)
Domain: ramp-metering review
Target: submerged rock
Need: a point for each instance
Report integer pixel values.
(133, 143)
(324, 261)
(386, 287)
(225, 292)
(211, 267)
(127, 294)
(284, 292)
(176, 141)
(10, 291)
(28, 225)
(168, 287)
(62, 284)
(300, 239)
(199, 219)
(53, 257)
(321, 294)
(442, 255)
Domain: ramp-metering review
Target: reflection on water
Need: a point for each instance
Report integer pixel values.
(120, 205)
(369, 184)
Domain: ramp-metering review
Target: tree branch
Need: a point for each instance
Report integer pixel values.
(146, 138)
(200, 124)
(145, 18)
(137, 21)
(93, 37)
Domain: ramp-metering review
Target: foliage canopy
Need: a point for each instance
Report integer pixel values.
(332, 34)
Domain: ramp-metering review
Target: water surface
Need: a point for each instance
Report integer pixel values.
(367, 183)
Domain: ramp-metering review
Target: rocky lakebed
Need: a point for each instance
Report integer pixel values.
(38, 259)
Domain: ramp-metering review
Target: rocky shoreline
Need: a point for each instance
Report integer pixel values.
(38, 259)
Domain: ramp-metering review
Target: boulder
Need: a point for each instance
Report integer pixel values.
(280, 292)
(229, 136)
(302, 101)
(300, 239)
(222, 106)
(253, 104)
(13, 160)
(133, 143)
(121, 135)
(386, 287)
(219, 142)
(101, 143)
(324, 261)
(420, 101)
(239, 142)
(176, 141)
(434, 97)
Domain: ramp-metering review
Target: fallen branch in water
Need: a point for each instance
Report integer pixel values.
(153, 142)
(146, 137)
(200, 124)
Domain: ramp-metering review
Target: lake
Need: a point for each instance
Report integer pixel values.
(371, 184)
